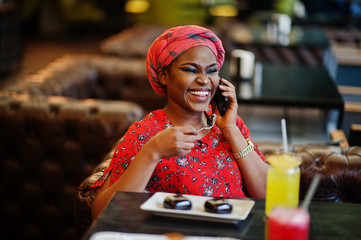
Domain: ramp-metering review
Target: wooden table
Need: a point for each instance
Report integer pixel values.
(329, 221)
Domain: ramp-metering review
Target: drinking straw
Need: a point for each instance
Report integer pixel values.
(284, 135)
(311, 190)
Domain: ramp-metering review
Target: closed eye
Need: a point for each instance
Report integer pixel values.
(188, 69)
(213, 70)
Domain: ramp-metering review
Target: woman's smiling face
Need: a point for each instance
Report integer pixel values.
(192, 79)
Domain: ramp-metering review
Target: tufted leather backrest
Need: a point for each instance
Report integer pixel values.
(340, 170)
(47, 147)
(56, 126)
(84, 197)
(84, 76)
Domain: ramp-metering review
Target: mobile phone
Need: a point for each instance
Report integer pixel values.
(221, 101)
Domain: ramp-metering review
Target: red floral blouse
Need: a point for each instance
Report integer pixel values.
(208, 170)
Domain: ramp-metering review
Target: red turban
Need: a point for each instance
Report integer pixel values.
(172, 43)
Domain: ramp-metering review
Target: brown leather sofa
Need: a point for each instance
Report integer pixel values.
(340, 170)
(85, 76)
(47, 147)
(56, 126)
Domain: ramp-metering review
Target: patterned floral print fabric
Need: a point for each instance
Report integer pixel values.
(172, 43)
(208, 170)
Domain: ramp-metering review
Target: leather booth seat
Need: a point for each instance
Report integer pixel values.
(135, 40)
(85, 76)
(340, 170)
(47, 147)
(56, 126)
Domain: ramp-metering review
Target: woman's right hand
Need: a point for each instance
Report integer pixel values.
(173, 141)
(169, 142)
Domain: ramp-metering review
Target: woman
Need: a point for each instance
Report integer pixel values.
(164, 151)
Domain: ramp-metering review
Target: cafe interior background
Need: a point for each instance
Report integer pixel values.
(68, 66)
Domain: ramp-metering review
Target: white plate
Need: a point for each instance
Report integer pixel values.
(107, 235)
(240, 211)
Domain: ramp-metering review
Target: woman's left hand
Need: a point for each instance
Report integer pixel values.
(228, 121)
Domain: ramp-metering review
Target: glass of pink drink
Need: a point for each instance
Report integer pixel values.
(285, 223)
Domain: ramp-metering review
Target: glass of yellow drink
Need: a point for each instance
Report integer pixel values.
(283, 181)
